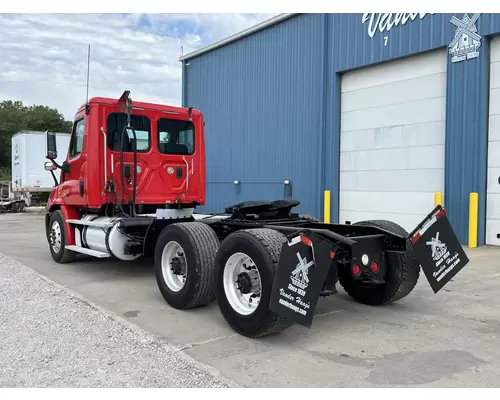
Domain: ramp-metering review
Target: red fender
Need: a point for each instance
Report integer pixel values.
(69, 213)
(55, 202)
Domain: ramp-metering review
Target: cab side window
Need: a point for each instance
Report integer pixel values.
(175, 137)
(142, 127)
(77, 139)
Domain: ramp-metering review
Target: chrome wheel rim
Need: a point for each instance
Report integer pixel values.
(55, 236)
(242, 284)
(173, 266)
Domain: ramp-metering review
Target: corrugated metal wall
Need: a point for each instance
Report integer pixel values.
(466, 134)
(260, 100)
(272, 104)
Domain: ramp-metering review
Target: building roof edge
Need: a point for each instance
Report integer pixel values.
(256, 28)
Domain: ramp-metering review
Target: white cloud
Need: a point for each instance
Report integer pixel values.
(43, 57)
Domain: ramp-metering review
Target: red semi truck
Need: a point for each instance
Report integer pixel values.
(133, 176)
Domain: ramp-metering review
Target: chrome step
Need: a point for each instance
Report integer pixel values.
(90, 223)
(90, 252)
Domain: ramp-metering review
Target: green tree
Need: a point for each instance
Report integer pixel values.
(15, 117)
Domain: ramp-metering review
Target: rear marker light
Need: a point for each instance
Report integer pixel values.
(356, 271)
(306, 240)
(440, 214)
(374, 267)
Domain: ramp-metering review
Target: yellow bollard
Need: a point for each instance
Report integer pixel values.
(473, 215)
(438, 199)
(326, 210)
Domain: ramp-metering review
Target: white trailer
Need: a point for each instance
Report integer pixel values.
(28, 159)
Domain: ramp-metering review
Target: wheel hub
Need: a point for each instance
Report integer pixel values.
(242, 283)
(178, 264)
(174, 266)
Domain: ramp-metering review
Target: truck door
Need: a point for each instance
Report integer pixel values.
(74, 178)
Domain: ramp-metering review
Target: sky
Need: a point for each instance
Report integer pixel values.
(44, 56)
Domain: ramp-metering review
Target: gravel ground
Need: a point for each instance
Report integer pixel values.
(50, 337)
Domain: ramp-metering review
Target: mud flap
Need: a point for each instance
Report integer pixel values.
(437, 249)
(303, 266)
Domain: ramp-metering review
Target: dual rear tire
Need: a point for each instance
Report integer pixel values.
(193, 269)
(184, 264)
(245, 268)
(18, 207)
(401, 278)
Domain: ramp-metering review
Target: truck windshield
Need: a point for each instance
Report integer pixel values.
(141, 125)
(175, 137)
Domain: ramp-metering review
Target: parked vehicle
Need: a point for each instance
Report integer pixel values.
(264, 264)
(28, 178)
(8, 201)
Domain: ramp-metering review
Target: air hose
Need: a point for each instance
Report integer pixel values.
(122, 172)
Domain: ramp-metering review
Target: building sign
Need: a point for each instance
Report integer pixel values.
(466, 42)
(384, 22)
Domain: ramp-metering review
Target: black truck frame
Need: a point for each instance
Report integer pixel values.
(262, 253)
(267, 267)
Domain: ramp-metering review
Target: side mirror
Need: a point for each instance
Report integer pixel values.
(50, 166)
(51, 146)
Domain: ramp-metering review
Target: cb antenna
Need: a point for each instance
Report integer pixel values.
(88, 79)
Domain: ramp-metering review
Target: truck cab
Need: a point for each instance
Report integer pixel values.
(110, 136)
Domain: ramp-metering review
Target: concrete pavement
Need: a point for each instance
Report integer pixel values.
(450, 339)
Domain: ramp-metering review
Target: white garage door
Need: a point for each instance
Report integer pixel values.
(392, 140)
(493, 188)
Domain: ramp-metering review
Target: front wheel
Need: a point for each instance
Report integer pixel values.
(56, 236)
(245, 269)
(401, 277)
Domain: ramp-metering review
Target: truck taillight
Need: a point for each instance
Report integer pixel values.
(356, 270)
(374, 267)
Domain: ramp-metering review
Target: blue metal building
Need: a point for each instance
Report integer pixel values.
(383, 110)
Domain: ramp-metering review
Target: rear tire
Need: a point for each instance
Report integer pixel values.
(56, 237)
(259, 250)
(401, 277)
(184, 264)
